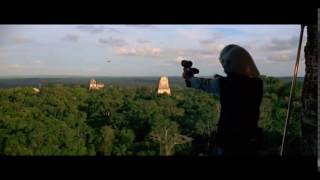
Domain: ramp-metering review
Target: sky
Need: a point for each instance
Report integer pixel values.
(142, 50)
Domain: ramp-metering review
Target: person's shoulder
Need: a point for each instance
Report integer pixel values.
(258, 80)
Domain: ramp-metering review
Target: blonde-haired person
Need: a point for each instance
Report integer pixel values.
(240, 93)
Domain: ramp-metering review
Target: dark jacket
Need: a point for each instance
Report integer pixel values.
(240, 99)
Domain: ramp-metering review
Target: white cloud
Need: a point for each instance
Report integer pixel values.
(195, 33)
(191, 54)
(153, 27)
(156, 51)
(284, 55)
(3, 53)
(13, 66)
(113, 42)
(126, 52)
(215, 47)
(180, 58)
(279, 44)
(91, 28)
(37, 62)
(264, 31)
(145, 52)
(169, 54)
(143, 41)
(71, 37)
(22, 39)
(96, 29)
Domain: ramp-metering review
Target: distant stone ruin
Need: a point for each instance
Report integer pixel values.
(94, 85)
(36, 90)
(164, 86)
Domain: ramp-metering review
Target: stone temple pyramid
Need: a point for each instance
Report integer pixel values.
(164, 86)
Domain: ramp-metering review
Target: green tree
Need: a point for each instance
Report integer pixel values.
(166, 133)
(124, 142)
(107, 138)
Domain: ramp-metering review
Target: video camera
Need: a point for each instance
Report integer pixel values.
(187, 68)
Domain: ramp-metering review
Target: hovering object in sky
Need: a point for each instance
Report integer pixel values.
(108, 61)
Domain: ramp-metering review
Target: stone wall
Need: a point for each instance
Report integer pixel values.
(309, 93)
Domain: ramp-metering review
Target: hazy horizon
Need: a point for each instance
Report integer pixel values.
(104, 76)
